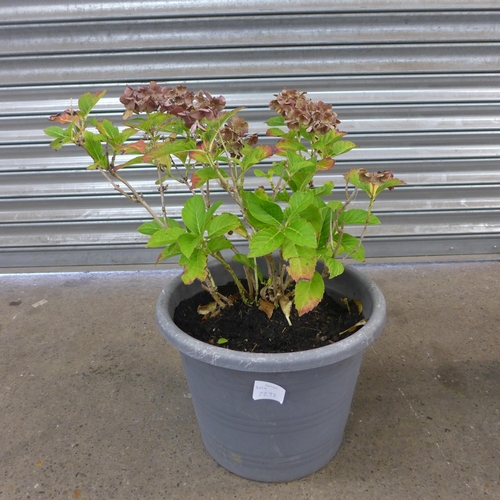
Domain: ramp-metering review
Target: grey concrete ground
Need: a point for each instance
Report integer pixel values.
(94, 404)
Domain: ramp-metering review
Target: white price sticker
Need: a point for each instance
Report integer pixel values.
(267, 390)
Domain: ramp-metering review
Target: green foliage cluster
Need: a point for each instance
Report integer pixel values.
(190, 139)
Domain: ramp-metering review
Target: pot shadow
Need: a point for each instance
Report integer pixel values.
(410, 420)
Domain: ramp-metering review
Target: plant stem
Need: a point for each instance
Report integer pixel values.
(230, 270)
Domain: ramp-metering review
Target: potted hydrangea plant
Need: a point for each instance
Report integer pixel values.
(271, 405)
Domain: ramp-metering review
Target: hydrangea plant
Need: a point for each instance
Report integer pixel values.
(294, 225)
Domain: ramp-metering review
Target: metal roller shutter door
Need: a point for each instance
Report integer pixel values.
(418, 91)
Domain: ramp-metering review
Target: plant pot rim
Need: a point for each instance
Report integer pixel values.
(176, 291)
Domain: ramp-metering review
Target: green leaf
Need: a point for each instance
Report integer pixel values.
(211, 210)
(193, 214)
(260, 173)
(324, 190)
(170, 251)
(199, 156)
(218, 244)
(149, 227)
(313, 215)
(303, 265)
(335, 267)
(132, 161)
(357, 216)
(195, 266)
(285, 146)
(275, 132)
(335, 205)
(170, 148)
(125, 135)
(87, 101)
(188, 242)
(222, 340)
(55, 131)
(325, 164)
(202, 175)
(94, 148)
(63, 136)
(107, 128)
(256, 155)
(349, 244)
(276, 121)
(222, 224)
(165, 237)
(340, 147)
(301, 233)
(268, 212)
(326, 141)
(265, 242)
(300, 180)
(297, 163)
(300, 201)
(308, 294)
(243, 259)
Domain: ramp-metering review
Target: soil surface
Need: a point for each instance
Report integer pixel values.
(246, 328)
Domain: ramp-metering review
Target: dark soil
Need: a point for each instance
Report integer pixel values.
(246, 328)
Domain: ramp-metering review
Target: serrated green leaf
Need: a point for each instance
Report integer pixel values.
(335, 205)
(62, 136)
(357, 216)
(267, 212)
(299, 202)
(188, 242)
(107, 128)
(128, 163)
(195, 267)
(324, 190)
(218, 244)
(256, 155)
(335, 267)
(313, 215)
(327, 140)
(300, 180)
(304, 264)
(150, 227)
(199, 156)
(350, 244)
(55, 131)
(296, 163)
(170, 148)
(301, 233)
(265, 242)
(308, 294)
(169, 251)
(243, 259)
(202, 175)
(276, 121)
(87, 101)
(93, 146)
(125, 135)
(339, 148)
(286, 146)
(165, 237)
(275, 132)
(260, 173)
(222, 224)
(193, 214)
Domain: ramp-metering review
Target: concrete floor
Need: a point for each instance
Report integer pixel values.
(94, 404)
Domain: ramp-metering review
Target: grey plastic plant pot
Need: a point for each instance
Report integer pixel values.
(264, 439)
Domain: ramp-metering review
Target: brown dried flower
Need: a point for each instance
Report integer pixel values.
(298, 110)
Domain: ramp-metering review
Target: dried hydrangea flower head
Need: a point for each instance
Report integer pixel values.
(177, 101)
(297, 109)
